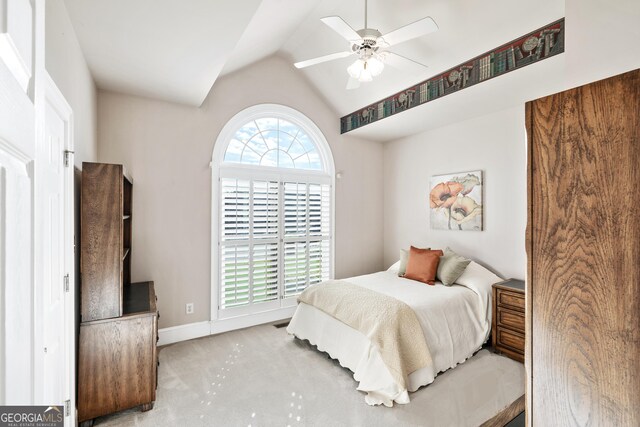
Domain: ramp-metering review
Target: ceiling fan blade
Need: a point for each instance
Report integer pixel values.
(353, 83)
(399, 61)
(320, 59)
(410, 31)
(338, 25)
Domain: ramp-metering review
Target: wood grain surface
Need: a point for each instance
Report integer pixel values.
(506, 415)
(583, 248)
(511, 319)
(527, 291)
(508, 328)
(116, 365)
(101, 241)
(512, 300)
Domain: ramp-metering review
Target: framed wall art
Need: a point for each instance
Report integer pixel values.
(455, 201)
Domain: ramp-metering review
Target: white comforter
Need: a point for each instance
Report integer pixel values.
(456, 321)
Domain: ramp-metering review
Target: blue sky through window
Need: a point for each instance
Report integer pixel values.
(273, 142)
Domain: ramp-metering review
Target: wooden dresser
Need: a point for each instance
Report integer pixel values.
(508, 318)
(117, 355)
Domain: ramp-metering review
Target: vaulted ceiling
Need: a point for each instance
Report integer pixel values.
(176, 50)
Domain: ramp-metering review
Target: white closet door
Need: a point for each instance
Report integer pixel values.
(18, 54)
(50, 244)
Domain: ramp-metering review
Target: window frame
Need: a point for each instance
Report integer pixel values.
(256, 172)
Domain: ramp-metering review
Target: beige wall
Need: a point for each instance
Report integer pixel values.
(495, 144)
(167, 149)
(67, 67)
(599, 40)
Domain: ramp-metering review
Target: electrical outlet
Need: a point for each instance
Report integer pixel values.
(189, 308)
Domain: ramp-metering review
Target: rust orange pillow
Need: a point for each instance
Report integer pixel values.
(423, 265)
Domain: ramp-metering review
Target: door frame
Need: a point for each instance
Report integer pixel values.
(53, 97)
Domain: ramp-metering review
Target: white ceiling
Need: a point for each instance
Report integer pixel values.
(164, 49)
(467, 29)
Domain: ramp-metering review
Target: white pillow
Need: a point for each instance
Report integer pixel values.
(479, 279)
(394, 267)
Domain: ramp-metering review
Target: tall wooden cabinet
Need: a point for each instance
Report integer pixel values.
(106, 239)
(117, 355)
(583, 244)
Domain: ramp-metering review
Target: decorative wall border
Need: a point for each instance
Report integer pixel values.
(528, 49)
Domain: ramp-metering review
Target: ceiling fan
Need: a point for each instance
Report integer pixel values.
(370, 46)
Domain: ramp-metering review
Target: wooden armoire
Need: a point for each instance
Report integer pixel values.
(583, 245)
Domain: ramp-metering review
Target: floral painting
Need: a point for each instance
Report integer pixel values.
(455, 201)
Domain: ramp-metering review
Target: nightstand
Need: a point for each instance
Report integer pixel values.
(508, 318)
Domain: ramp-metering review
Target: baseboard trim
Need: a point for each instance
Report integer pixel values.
(190, 331)
(186, 332)
(233, 323)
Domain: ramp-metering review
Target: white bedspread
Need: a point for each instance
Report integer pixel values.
(456, 321)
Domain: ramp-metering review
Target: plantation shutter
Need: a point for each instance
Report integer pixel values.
(249, 254)
(265, 225)
(307, 235)
(272, 233)
(319, 232)
(235, 258)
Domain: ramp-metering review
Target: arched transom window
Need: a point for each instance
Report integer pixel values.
(275, 142)
(273, 210)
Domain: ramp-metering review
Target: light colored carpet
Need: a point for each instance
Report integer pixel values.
(261, 376)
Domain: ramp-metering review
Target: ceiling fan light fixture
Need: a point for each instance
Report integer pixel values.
(365, 69)
(375, 66)
(365, 75)
(356, 68)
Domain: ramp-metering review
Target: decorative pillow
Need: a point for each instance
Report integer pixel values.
(479, 279)
(423, 265)
(451, 267)
(404, 257)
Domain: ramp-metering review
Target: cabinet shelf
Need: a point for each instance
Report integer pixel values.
(126, 217)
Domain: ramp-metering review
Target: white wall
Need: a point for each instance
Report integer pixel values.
(601, 41)
(494, 144)
(67, 67)
(167, 149)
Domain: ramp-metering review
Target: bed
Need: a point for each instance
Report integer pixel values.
(455, 321)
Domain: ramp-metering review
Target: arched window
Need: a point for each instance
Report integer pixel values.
(272, 216)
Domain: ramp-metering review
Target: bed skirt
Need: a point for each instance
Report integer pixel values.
(354, 351)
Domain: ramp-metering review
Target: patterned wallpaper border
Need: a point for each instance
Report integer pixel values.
(528, 49)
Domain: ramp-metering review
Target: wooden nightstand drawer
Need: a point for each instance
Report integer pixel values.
(510, 318)
(511, 299)
(510, 339)
(508, 329)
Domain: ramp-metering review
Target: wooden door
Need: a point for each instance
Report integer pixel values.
(584, 255)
